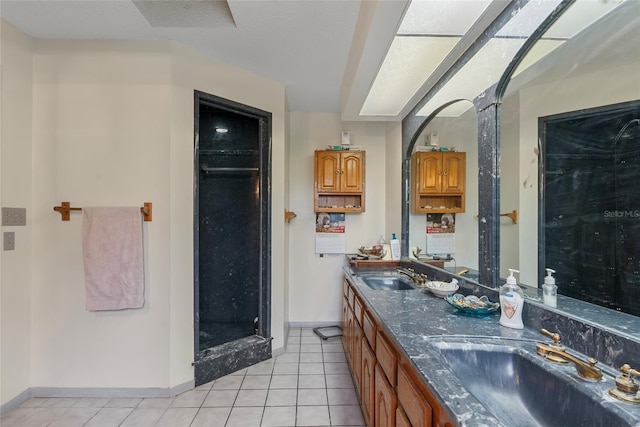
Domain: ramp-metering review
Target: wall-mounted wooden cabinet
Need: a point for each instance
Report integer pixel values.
(339, 181)
(438, 181)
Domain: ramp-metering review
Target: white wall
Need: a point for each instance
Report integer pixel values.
(15, 180)
(112, 125)
(316, 282)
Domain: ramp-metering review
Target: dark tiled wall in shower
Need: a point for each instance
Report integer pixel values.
(592, 205)
(229, 217)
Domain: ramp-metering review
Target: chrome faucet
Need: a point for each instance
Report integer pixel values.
(556, 353)
(417, 278)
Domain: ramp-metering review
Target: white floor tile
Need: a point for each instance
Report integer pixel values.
(35, 402)
(288, 358)
(312, 397)
(189, 399)
(42, 416)
(220, 398)
(109, 417)
(311, 381)
(307, 332)
(334, 358)
(342, 396)
(310, 340)
(15, 417)
(122, 403)
(339, 381)
(91, 402)
(230, 382)
(262, 368)
(74, 417)
(256, 382)
(211, 417)
(285, 369)
(205, 386)
(251, 398)
(177, 417)
(284, 381)
(346, 415)
(311, 358)
(311, 348)
(245, 417)
(312, 416)
(156, 402)
(332, 348)
(143, 417)
(311, 368)
(336, 368)
(279, 416)
(282, 397)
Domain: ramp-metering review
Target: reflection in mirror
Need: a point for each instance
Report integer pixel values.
(589, 58)
(447, 225)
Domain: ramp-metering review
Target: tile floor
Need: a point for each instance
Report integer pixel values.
(309, 385)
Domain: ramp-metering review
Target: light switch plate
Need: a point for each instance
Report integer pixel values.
(14, 216)
(8, 240)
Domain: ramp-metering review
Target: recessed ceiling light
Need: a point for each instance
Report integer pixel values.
(222, 130)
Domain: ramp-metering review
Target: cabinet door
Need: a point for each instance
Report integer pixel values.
(386, 402)
(328, 169)
(367, 392)
(453, 172)
(429, 173)
(401, 418)
(412, 401)
(352, 171)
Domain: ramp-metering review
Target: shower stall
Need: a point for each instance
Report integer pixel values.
(231, 236)
(590, 204)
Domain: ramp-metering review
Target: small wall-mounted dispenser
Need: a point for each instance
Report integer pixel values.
(346, 138)
(431, 139)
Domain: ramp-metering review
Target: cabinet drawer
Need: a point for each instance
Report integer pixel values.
(386, 358)
(350, 296)
(357, 309)
(369, 328)
(412, 402)
(345, 288)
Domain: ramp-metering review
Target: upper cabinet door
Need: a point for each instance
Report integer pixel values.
(453, 172)
(352, 165)
(429, 173)
(328, 175)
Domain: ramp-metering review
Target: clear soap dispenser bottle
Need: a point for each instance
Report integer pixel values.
(550, 290)
(511, 302)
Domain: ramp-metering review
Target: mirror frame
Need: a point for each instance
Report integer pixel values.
(487, 106)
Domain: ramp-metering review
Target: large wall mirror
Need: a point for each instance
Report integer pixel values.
(453, 129)
(579, 94)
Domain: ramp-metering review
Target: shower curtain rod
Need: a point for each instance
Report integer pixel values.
(65, 210)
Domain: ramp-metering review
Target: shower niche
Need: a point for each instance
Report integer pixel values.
(231, 237)
(589, 213)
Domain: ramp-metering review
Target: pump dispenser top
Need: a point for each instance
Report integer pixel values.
(549, 289)
(511, 302)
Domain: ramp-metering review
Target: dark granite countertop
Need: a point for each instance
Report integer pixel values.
(416, 319)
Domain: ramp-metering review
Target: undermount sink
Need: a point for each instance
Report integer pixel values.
(387, 282)
(519, 388)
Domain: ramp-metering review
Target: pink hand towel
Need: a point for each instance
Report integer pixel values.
(113, 260)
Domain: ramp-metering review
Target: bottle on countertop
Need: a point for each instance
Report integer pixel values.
(511, 302)
(395, 247)
(550, 290)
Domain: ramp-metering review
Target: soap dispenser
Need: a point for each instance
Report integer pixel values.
(395, 247)
(549, 289)
(511, 302)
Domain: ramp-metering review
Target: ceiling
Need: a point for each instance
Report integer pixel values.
(302, 44)
(368, 60)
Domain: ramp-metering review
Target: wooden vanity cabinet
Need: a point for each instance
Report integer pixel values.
(339, 181)
(438, 181)
(390, 389)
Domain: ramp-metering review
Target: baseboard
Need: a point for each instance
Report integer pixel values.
(314, 324)
(16, 401)
(110, 392)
